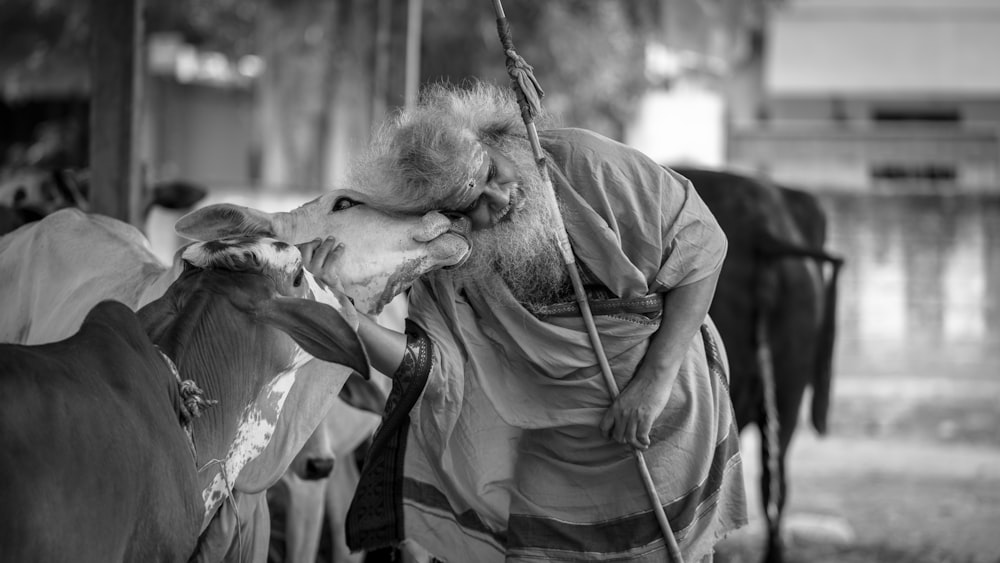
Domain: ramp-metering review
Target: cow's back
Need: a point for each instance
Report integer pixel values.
(54, 271)
(95, 464)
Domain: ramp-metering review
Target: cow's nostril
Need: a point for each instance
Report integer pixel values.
(319, 468)
(460, 224)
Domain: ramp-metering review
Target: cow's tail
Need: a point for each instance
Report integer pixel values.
(773, 247)
(823, 372)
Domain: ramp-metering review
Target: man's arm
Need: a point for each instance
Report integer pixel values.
(630, 418)
(385, 347)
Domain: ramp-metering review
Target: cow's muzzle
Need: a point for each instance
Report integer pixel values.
(461, 226)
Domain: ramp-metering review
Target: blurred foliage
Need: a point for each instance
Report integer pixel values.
(31, 28)
(226, 26)
(590, 50)
(588, 55)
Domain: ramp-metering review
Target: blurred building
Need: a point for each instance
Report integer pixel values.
(888, 95)
(198, 114)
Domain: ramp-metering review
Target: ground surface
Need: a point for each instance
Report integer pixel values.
(909, 473)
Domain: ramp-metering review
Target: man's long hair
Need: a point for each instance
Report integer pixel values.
(421, 156)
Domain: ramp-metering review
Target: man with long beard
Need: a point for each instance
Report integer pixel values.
(500, 440)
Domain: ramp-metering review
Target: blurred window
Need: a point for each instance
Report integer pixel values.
(917, 115)
(911, 172)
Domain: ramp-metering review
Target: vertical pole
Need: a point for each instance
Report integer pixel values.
(521, 80)
(116, 72)
(414, 19)
(381, 83)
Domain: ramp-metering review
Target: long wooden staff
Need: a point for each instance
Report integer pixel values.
(529, 95)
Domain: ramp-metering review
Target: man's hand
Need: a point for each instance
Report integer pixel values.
(630, 418)
(633, 413)
(320, 258)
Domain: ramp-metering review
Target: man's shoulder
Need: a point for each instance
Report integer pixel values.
(566, 138)
(573, 150)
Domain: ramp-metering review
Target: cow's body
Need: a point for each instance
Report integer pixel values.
(301, 505)
(99, 398)
(774, 310)
(99, 465)
(52, 272)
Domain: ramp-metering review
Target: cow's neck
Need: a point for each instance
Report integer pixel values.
(232, 432)
(238, 372)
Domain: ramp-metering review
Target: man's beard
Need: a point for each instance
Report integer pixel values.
(519, 255)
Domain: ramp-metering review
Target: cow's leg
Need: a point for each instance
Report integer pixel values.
(340, 489)
(772, 451)
(782, 420)
(303, 518)
(773, 489)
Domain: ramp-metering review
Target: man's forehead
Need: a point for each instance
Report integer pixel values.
(469, 189)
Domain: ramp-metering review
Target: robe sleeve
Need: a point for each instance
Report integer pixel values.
(694, 244)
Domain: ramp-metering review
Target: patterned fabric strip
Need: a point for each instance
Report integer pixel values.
(374, 519)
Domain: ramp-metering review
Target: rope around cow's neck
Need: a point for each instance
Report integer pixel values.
(193, 401)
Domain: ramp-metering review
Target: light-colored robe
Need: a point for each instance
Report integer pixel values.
(504, 460)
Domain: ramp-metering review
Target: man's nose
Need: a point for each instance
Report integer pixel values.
(497, 195)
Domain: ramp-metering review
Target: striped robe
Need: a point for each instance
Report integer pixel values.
(491, 451)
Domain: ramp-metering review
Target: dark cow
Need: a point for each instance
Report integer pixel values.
(775, 309)
(105, 455)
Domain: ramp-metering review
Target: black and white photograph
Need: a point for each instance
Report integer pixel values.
(500, 281)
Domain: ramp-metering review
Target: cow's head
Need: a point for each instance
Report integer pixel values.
(384, 252)
(336, 438)
(242, 321)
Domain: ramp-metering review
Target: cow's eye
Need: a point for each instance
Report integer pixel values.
(299, 276)
(343, 203)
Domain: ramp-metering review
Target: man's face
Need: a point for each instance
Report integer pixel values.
(512, 219)
(497, 194)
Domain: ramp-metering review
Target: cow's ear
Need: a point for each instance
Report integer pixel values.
(223, 220)
(363, 394)
(319, 329)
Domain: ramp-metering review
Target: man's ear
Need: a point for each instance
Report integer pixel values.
(223, 220)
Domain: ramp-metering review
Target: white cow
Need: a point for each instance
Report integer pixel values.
(303, 500)
(302, 503)
(54, 271)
